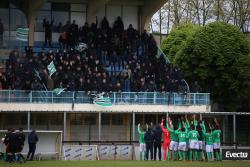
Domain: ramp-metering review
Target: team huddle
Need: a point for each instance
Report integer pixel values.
(193, 140)
(14, 143)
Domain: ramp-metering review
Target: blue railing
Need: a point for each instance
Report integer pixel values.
(154, 98)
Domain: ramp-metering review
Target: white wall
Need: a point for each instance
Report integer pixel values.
(113, 11)
(100, 14)
(130, 16)
(128, 13)
(80, 18)
(39, 36)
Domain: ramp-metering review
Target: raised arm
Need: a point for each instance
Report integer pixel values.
(210, 126)
(203, 128)
(195, 122)
(169, 129)
(139, 129)
(217, 123)
(179, 124)
(187, 122)
(164, 130)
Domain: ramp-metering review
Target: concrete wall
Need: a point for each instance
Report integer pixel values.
(94, 108)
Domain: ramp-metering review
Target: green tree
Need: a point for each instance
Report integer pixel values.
(218, 57)
(174, 41)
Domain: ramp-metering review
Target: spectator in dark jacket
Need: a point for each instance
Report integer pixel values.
(1, 33)
(32, 140)
(7, 138)
(11, 141)
(157, 141)
(21, 140)
(149, 139)
(48, 31)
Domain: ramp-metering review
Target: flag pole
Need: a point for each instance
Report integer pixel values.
(38, 76)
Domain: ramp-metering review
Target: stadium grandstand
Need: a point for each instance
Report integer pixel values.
(89, 72)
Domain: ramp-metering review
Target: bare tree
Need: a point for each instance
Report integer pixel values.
(201, 12)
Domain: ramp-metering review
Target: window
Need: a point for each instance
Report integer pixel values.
(39, 19)
(78, 7)
(17, 19)
(80, 18)
(90, 120)
(75, 119)
(117, 119)
(46, 6)
(60, 17)
(5, 20)
(60, 13)
(105, 119)
(60, 7)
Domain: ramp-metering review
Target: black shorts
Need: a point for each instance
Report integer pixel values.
(13, 148)
(19, 149)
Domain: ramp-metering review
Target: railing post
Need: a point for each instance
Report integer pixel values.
(155, 97)
(207, 98)
(52, 97)
(174, 99)
(194, 98)
(9, 96)
(121, 97)
(99, 126)
(28, 120)
(31, 97)
(114, 97)
(64, 125)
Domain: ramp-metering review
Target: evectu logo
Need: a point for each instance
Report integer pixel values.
(236, 154)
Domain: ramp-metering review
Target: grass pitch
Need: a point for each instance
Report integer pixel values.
(128, 164)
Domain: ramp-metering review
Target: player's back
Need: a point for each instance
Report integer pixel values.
(193, 135)
(216, 136)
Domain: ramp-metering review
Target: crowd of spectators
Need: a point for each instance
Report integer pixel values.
(117, 60)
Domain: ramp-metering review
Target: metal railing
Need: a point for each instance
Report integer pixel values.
(152, 98)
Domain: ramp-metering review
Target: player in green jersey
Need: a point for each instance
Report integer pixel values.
(209, 142)
(174, 141)
(142, 141)
(182, 146)
(187, 126)
(193, 143)
(216, 140)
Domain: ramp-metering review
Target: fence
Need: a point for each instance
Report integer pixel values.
(152, 98)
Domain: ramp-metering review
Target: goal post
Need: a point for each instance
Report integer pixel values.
(48, 146)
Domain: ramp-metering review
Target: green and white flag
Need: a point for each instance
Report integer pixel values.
(22, 34)
(52, 69)
(160, 53)
(58, 91)
(102, 101)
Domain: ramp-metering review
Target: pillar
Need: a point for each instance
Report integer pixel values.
(30, 9)
(99, 126)
(93, 7)
(133, 127)
(68, 127)
(64, 126)
(148, 10)
(28, 120)
(234, 130)
(31, 24)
